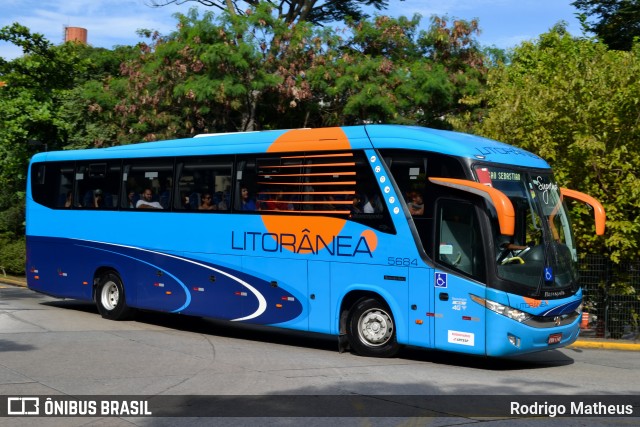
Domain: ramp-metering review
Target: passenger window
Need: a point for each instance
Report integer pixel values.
(204, 185)
(52, 184)
(279, 183)
(339, 184)
(245, 187)
(97, 185)
(147, 184)
(411, 169)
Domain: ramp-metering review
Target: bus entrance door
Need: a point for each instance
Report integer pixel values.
(459, 321)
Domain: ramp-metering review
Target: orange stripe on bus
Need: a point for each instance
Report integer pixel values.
(309, 174)
(318, 156)
(310, 165)
(313, 183)
(311, 139)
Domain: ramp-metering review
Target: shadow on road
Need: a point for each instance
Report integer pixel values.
(227, 329)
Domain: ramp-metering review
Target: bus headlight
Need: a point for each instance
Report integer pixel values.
(510, 312)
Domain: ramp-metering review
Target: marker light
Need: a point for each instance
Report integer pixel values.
(510, 312)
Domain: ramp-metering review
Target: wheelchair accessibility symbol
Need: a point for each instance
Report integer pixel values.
(441, 280)
(548, 274)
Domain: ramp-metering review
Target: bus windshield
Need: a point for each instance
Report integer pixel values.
(541, 255)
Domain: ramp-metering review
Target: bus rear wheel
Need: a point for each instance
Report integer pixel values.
(110, 297)
(371, 329)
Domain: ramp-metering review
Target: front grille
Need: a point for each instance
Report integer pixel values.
(551, 321)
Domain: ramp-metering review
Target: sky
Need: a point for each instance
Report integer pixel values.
(503, 23)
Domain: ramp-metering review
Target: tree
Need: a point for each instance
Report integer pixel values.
(210, 75)
(575, 103)
(38, 106)
(27, 97)
(391, 72)
(237, 73)
(33, 85)
(615, 22)
(314, 11)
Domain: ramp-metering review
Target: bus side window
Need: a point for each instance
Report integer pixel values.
(278, 183)
(142, 175)
(97, 184)
(52, 184)
(244, 189)
(411, 169)
(202, 177)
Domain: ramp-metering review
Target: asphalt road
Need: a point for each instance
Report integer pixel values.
(51, 347)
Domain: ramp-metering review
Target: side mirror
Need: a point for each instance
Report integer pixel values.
(598, 211)
(502, 204)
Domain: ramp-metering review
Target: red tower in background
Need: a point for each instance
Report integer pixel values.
(75, 34)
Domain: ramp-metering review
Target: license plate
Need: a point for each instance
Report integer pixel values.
(554, 338)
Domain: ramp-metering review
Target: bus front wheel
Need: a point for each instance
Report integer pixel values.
(110, 297)
(371, 329)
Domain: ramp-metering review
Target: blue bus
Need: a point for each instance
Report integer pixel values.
(381, 235)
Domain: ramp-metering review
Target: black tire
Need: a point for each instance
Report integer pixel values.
(110, 298)
(371, 329)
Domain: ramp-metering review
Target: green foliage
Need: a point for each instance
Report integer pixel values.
(232, 73)
(615, 22)
(12, 220)
(575, 103)
(391, 72)
(39, 97)
(13, 254)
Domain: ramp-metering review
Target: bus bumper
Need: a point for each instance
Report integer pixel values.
(507, 337)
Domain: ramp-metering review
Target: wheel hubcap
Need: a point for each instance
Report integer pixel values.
(110, 296)
(375, 327)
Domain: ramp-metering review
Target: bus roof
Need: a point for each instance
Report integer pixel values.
(315, 139)
(452, 143)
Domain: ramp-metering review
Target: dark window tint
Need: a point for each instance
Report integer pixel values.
(460, 243)
(411, 169)
(339, 184)
(52, 184)
(204, 184)
(97, 184)
(147, 184)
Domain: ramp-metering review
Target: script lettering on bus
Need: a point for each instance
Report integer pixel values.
(341, 245)
(545, 188)
(485, 151)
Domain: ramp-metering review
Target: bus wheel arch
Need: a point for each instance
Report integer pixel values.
(109, 295)
(368, 323)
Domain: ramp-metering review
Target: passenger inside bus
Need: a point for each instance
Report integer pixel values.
(207, 203)
(147, 201)
(373, 204)
(96, 199)
(248, 204)
(221, 201)
(356, 206)
(276, 203)
(415, 203)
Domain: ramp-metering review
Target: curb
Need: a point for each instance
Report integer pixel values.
(12, 281)
(580, 343)
(604, 345)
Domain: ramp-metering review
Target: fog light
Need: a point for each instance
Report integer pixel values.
(515, 341)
